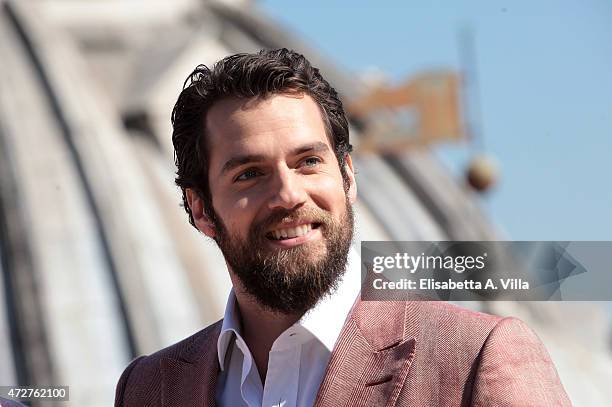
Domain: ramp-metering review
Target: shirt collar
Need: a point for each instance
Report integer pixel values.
(324, 321)
(229, 327)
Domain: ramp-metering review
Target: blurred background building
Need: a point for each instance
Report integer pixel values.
(98, 261)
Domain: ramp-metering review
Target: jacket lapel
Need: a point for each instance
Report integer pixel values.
(190, 379)
(371, 359)
(368, 366)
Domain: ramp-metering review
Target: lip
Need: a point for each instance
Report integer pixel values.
(295, 241)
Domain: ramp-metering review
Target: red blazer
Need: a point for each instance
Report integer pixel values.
(10, 403)
(388, 354)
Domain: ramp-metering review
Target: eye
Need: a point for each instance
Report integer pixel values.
(311, 161)
(247, 175)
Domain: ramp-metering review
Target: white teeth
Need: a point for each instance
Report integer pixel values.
(292, 232)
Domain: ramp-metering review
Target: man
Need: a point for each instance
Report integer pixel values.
(262, 150)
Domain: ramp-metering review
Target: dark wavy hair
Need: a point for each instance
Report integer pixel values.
(268, 72)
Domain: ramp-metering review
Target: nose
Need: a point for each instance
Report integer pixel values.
(288, 190)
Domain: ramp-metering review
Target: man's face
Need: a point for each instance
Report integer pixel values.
(284, 217)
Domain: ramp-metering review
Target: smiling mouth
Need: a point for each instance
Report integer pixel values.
(293, 232)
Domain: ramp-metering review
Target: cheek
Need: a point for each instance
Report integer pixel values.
(242, 204)
(328, 193)
(237, 214)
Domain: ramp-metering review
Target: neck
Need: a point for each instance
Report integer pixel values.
(260, 328)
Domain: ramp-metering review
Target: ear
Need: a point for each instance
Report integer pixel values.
(350, 172)
(201, 220)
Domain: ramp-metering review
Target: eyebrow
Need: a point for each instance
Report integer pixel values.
(318, 147)
(237, 161)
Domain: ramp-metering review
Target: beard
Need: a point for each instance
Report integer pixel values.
(292, 280)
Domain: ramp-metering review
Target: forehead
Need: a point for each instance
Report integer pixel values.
(275, 123)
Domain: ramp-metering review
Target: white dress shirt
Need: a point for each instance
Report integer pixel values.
(298, 358)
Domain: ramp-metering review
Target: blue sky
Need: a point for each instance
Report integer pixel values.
(545, 78)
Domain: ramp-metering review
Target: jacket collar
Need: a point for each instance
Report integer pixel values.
(369, 364)
(190, 379)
